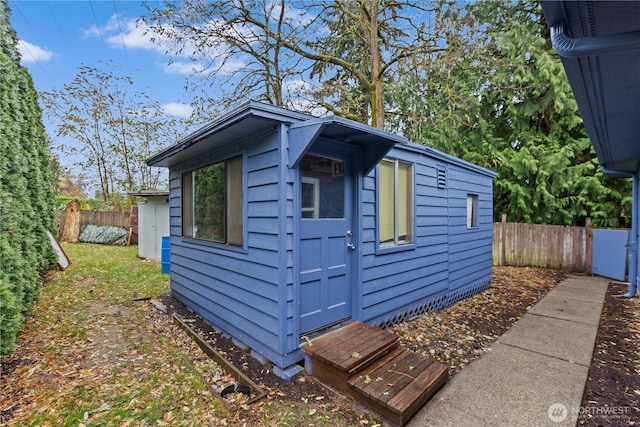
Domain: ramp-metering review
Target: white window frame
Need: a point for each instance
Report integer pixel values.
(409, 236)
(315, 208)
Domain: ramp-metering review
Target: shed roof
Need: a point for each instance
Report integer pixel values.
(148, 193)
(599, 43)
(304, 130)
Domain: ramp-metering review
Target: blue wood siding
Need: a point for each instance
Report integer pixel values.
(446, 256)
(250, 293)
(470, 249)
(243, 291)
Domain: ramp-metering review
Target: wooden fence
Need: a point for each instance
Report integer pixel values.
(521, 245)
(116, 219)
(549, 246)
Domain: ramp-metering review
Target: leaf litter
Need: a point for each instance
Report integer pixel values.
(458, 334)
(131, 361)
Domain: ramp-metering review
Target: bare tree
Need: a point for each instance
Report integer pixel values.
(353, 47)
(225, 46)
(107, 130)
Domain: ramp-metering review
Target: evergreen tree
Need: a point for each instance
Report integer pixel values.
(499, 97)
(26, 190)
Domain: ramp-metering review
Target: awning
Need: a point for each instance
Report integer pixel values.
(374, 143)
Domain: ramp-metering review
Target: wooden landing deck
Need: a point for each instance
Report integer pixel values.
(335, 357)
(366, 363)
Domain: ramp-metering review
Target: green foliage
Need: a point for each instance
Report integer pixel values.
(26, 190)
(117, 203)
(209, 203)
(478, 80)
(499, 97)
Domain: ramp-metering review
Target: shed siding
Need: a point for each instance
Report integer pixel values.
(238, 289)
(251, 292)
(446, 256)
(470, 256)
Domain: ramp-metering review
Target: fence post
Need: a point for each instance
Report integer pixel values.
(503, 236)
(589, 249)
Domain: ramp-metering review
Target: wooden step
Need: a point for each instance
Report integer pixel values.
(365, 362)
(399, 384)
(337, 356)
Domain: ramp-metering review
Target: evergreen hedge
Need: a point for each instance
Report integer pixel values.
(26, 190)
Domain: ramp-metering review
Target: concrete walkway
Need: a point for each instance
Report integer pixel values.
(534, 375)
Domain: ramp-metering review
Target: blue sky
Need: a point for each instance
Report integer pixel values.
(57, 37)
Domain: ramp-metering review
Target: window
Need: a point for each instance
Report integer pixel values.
(212, 203)
(310, 197)
(395, 203)
(472, 210)
(322, 187)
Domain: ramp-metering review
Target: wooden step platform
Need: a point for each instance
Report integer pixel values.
(366, 363)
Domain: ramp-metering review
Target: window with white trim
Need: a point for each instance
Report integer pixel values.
(472, 210)
(395, 203)
(212, 203)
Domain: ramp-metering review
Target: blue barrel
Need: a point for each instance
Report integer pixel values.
(166, 254)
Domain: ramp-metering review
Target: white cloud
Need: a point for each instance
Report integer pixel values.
(31, 53)
(177, 109)
(184, 68)
(121, 32)
(135, 35)
(230, 66)
(298, 98)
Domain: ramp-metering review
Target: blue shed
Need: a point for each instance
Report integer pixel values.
(284, 224)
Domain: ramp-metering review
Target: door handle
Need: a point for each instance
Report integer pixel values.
(351, 246)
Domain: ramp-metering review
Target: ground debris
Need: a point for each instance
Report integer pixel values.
(110, 347)
(458, 334)
(612, 391)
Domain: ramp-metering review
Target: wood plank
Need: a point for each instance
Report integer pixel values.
(420, 390)
(339, 347)
(376, 370)
(328, 374)
(404, 377)
(336, 337)
(391, 378)
(393, 381)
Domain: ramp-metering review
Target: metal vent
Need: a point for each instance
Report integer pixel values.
(442, 177)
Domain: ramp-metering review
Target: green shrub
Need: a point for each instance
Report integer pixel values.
(26, 190)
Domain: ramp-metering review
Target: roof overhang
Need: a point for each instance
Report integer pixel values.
(256, 118)
(599, 43)
(238, 124)
(375, 143)
(148, 193)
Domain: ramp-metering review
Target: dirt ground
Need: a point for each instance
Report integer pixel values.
(612, 393)
(454, 336)
(457, 335)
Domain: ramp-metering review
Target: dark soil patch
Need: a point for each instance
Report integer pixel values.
(612, 393)
(453, 336)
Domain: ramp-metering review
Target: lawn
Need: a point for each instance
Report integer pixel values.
(93, 355)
